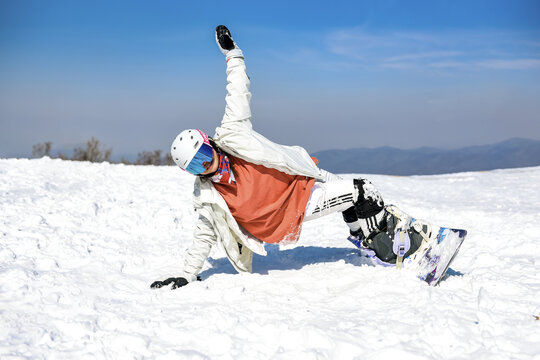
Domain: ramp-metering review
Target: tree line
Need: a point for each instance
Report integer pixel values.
(94, 151)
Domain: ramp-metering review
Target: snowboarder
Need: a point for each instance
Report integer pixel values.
(249, 190)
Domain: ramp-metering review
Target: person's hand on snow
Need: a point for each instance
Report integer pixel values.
(177, 282)
(226, 43)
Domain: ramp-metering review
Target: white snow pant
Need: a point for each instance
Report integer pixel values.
(330, 197)
(338, 195)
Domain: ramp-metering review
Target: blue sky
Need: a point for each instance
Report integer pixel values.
(324, 74)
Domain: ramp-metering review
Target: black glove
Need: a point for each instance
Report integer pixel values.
(226, 43)
(224, 38)
(177, 282)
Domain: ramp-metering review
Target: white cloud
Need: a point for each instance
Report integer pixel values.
(451, 50)
(512, 64)
(426, 55)
(448, 65)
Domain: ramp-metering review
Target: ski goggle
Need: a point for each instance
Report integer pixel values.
(203, 155)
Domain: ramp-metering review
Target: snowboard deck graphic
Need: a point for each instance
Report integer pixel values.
(435, 261)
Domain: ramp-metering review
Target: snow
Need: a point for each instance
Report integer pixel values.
(80, 244)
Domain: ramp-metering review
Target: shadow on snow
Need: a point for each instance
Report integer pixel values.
(289, 259)
(296, 259)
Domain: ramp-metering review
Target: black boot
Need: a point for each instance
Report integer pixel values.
(369, 202)
(372, 218)
(369, 208)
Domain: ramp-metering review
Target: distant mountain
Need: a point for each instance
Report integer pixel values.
(427, 161)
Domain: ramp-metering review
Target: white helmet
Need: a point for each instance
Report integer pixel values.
(191, 149)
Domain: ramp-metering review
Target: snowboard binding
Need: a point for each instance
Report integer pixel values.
(412, 244)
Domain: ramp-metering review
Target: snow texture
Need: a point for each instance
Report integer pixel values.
(80, 244)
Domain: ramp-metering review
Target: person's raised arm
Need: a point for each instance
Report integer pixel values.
(238, 96)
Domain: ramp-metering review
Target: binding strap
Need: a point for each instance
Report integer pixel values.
(402, 244)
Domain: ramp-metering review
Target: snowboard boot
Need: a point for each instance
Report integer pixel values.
(365, 218)
(369, 208)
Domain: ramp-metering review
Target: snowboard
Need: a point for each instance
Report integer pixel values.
(435, 260)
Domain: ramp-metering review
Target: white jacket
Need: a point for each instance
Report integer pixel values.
(236, 137)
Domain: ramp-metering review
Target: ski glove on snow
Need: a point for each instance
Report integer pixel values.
(226, 43)
(177, 282)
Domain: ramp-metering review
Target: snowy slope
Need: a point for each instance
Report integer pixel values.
(80, 244)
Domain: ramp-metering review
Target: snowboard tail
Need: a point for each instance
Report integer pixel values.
(432, 266)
